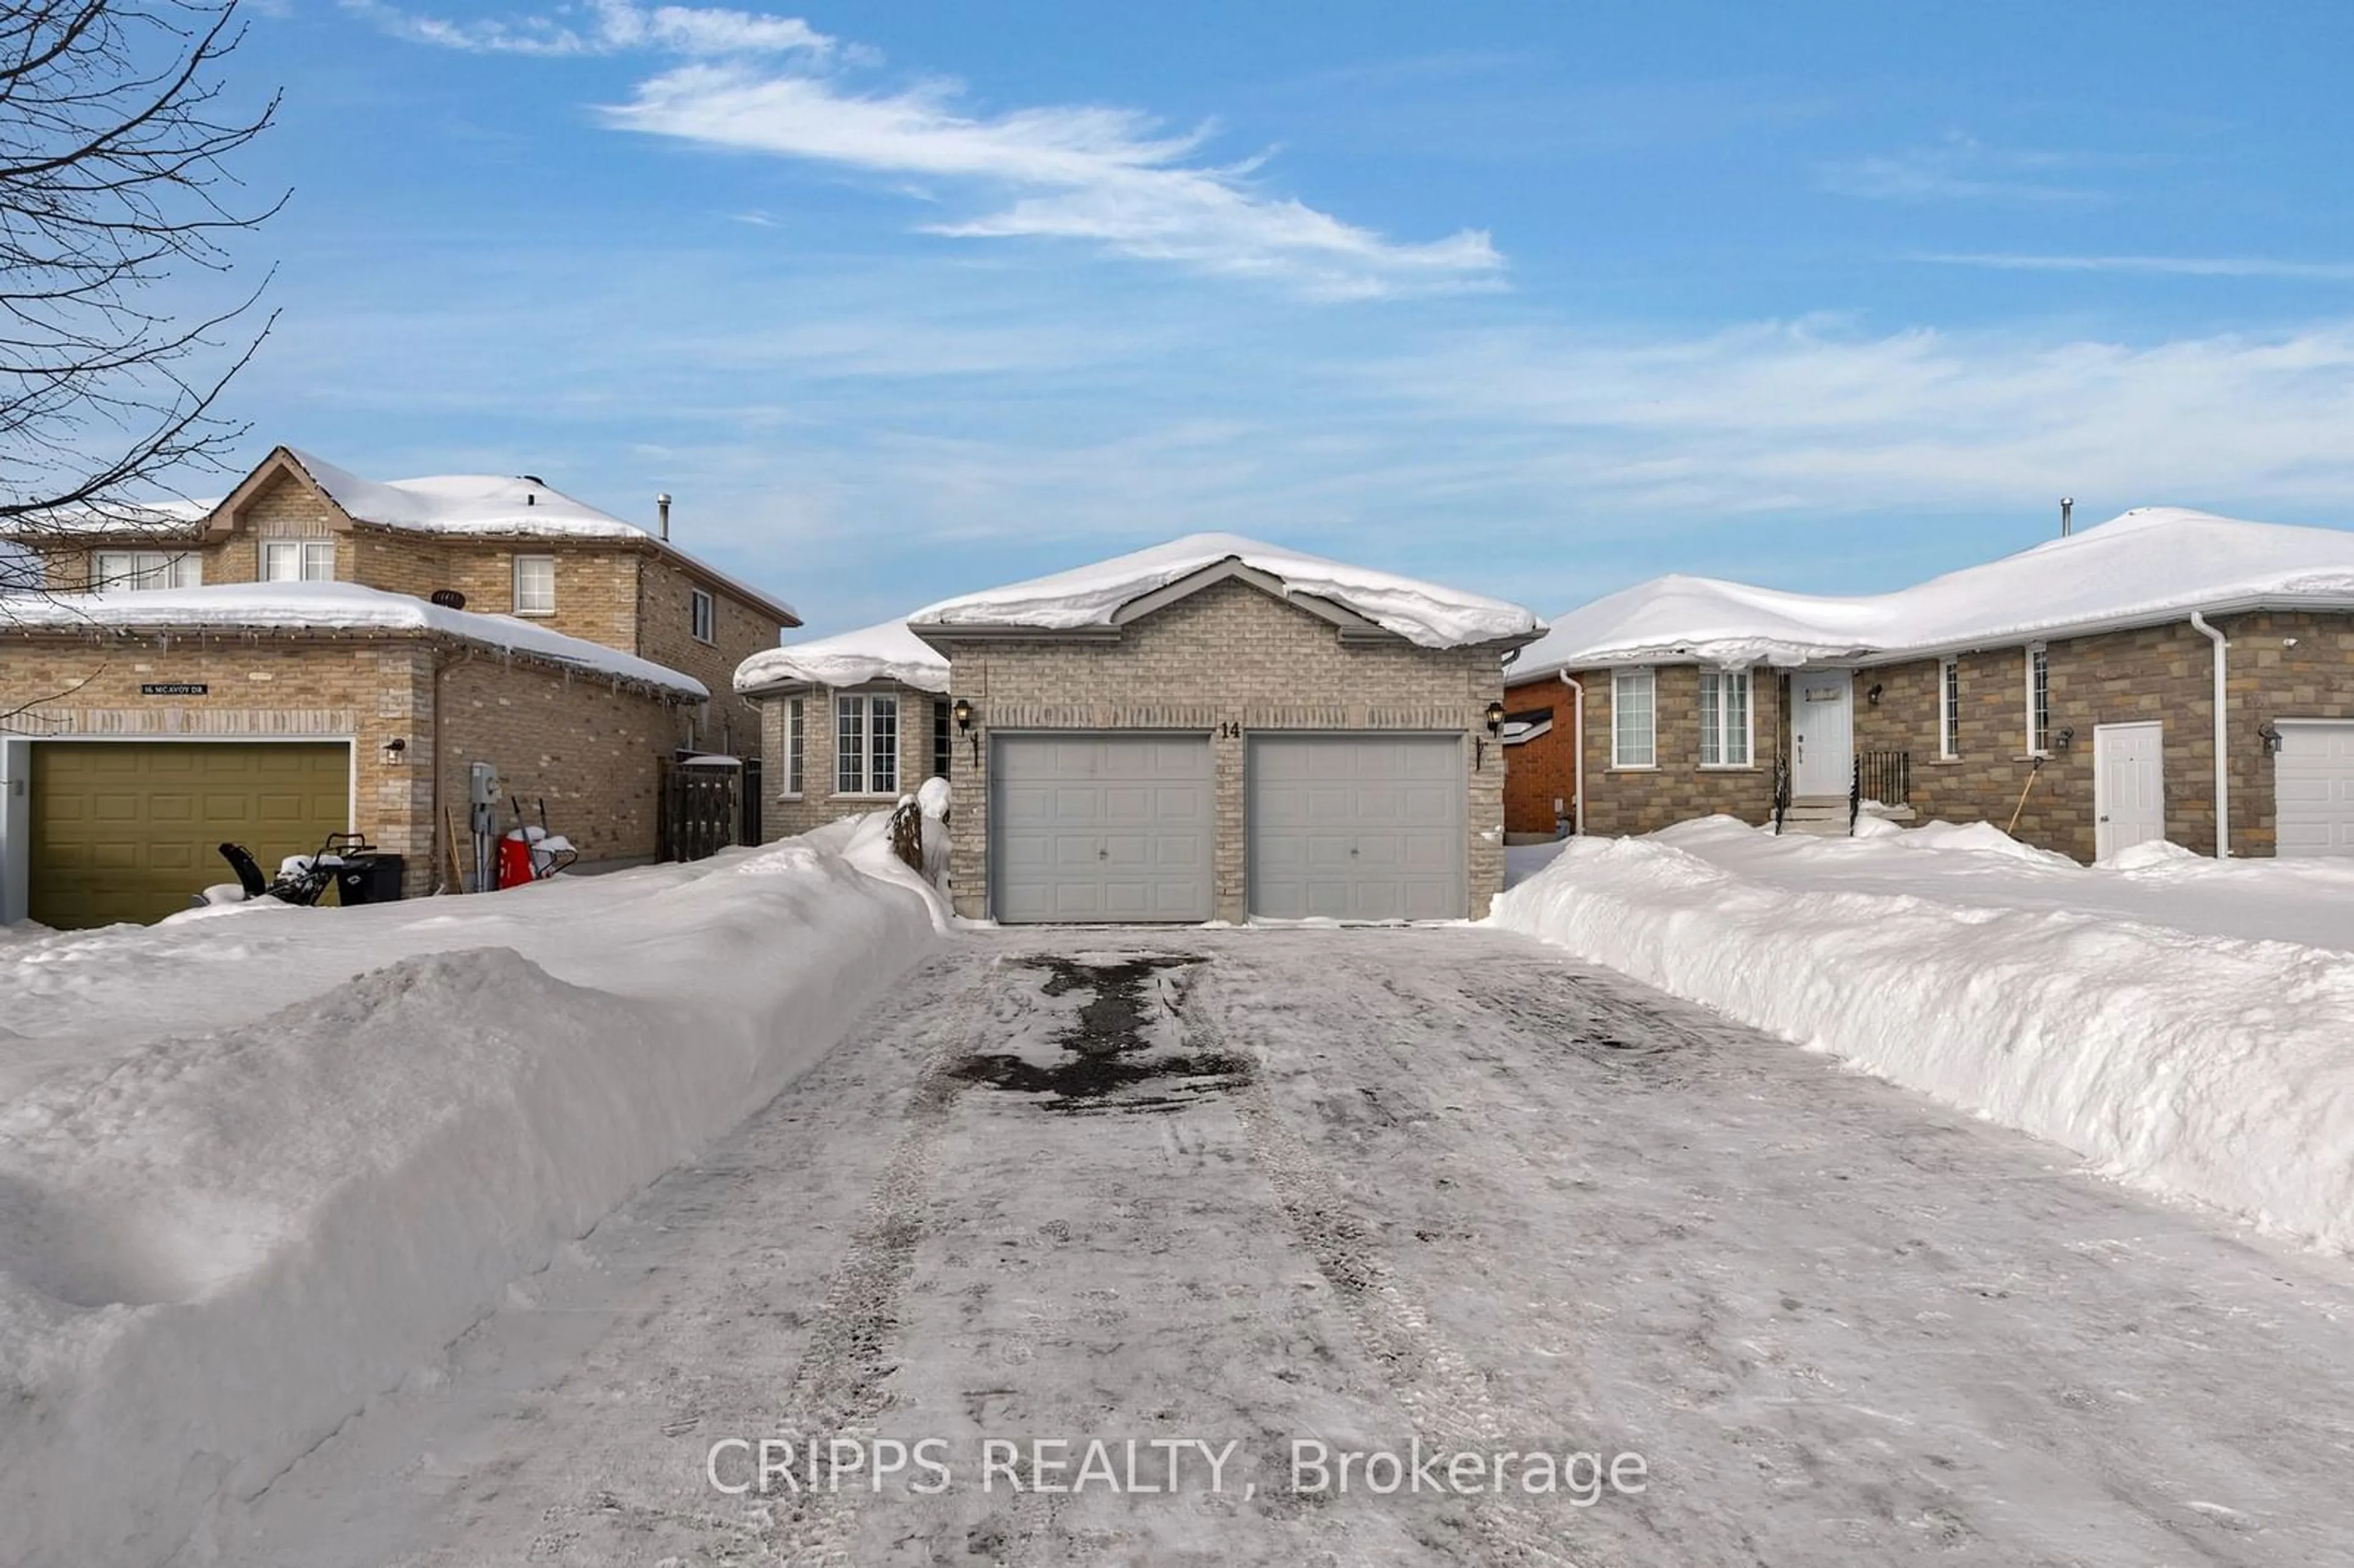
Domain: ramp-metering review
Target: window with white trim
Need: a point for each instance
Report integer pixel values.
(1633, 712)
(866, 746)
(796, 747)
(1724, 718)
(534, 585)
(2039, 700)
(702, 614)
(298, 560)
(1949, 708)
(138, 571)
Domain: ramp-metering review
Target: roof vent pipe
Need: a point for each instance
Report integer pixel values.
(662, 505)
(2067, 512)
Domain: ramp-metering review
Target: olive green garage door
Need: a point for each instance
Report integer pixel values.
(1358, 826)
(128, 830)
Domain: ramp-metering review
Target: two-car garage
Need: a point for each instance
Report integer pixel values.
(128, 830)
(1123, 827)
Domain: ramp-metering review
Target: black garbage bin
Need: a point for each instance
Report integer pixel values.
(372, 878)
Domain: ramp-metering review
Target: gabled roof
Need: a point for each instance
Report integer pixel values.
(475, 505)
(1099, 599)
(2147, 565)
(886, 652)
(333, 608)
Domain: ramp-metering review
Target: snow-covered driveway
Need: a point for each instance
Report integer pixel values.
(1367, 1187)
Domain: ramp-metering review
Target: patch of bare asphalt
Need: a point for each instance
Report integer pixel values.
(1116, 1041)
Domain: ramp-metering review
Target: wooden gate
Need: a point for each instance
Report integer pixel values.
(699, 812)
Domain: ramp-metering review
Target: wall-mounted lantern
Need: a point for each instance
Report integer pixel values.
(1872, 696)
(2271, 732)
(396, 751)
(961, 710)
(1495, 718)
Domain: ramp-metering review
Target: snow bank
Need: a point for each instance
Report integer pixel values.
(2213, 1066)
(1423, 613)
(216, 1249)
(343, 606)
(2145, 565)
(886, 652)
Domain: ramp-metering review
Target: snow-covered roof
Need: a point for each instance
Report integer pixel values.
(465, 504)
(2144, 565)
(331, 606)
(886, 652)
(1423, 613)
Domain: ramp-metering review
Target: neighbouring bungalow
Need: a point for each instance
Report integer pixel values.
(319, 653)
(1216, 728)
(2144, 679)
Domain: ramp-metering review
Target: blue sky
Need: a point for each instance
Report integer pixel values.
(904, 299)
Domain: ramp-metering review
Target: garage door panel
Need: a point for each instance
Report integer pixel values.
(2313, 789)
(1125, 822)
(1357, 827)
(126, 831)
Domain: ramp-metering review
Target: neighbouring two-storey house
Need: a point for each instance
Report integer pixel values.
(318, 652)
(2169, 674)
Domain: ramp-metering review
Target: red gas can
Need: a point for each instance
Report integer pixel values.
(515, 862)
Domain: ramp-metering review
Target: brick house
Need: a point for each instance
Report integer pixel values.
(2073, 687)
(848, 723)
(268, 668)
(1220, 729)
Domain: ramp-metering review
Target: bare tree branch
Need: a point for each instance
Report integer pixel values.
(114, 141)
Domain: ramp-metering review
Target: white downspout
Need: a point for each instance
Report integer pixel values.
(2222, 752)
(1577, 759)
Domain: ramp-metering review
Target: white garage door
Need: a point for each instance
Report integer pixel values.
(2313, 783)
(1357, 827)
(1101, 827)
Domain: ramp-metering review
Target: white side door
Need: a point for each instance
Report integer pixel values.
(1823, 732)
(2128, 786)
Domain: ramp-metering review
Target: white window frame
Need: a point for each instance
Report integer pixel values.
(2039, 700)
(313, 559)
(535, 604)
(1644, 678)
(864, 762)
(144, 571)
(702, 614)
(796, 748)
(1949, 710)
(1716, 734)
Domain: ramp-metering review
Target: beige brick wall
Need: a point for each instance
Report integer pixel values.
(590, 751)
(666, 635)
(368, 691)
(1643, 800)
(1227, 655)
(2281, 666)
(784, 813)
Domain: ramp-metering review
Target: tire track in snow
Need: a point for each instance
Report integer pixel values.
(1445, 1396)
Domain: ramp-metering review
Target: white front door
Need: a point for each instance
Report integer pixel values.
(2128, 786)
(1823, 732)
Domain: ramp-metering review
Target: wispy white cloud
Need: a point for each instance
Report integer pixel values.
(606, 28)
(2173, 266)
(1108, 176)
(1962, 168)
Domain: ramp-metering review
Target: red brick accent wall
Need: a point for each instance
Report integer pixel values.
(1541, 775)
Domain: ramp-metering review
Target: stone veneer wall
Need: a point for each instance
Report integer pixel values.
(1229, 654)
(2280, 666)
(1645, 800)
